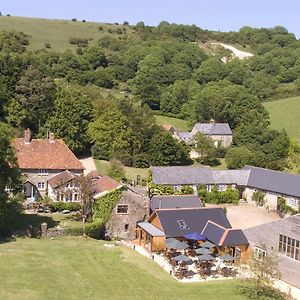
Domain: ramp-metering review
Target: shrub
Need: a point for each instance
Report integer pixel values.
(80, 42)
(95, 229)
(100, 28)
(60, 206)
(83, 21)
(47, 45)
(284, 208)
(186, 190)
(259, 198)
(116, 169)
(119, 31)
(74, 20)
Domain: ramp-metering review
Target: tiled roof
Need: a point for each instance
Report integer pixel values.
(61, 178)
(168, 127)
(194, 218)
(274, 181)
(175, 201)
(104, 184)
(43, 154)
(213, 128)
(182, 175)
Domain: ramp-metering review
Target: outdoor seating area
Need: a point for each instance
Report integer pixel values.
(198, 260)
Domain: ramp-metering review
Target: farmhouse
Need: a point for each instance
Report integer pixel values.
(274, 184)
(49, 167)
(176, 223)
(281, 237)
(219, 133)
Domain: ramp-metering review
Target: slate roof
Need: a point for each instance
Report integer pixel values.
(222, 236)
(61, 178)
(185, 136)
(258, 178)
(175, 201)
(43, 154)
(239, 177)
(274, 181)
(268, 234)
(148, 227)
(213, 128)
(182, 175)
(194, 218)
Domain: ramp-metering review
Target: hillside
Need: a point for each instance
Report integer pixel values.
(284, 114)
(58, 32)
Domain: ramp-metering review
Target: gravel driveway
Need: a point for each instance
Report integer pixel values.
(89, 164)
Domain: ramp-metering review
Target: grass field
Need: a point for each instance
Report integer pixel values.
(131, 173)
(284, 114)
(77, 268)
(57, 32)
(179, 124)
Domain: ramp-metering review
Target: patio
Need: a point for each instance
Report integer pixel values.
(185, 265)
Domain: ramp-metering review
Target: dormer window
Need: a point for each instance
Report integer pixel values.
(42, 172)
(182, 224)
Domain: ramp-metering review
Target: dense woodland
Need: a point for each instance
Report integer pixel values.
(103, 98)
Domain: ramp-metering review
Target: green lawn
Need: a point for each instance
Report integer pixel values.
(178, 124)
(284, 114)
(57, 32)
(131, 173)
(77, 268)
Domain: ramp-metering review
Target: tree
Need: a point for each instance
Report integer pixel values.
(238, 157)
(86, 196)
(95, 57)
(9, 177)
(264, 269)
(70, 118)
(116, 169)
(166, 151)
(205, 148)
(35, 93)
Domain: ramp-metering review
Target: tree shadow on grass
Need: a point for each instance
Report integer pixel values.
(4, 240)
(34, 220)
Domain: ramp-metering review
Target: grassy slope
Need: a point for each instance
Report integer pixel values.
(74, 268)
(284, 114)
(179, 124)
(56, 32)
(131, 173)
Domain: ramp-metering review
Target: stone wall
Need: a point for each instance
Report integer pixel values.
(123, 225)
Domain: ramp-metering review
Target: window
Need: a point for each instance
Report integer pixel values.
(259, 253)
(293, 202)
(182, 224)
(42, 172)
(75, 197)
(126, 227)
(41, 186)
(289, 247)
(122, 209)
(222, 187)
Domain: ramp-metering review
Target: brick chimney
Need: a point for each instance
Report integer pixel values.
(51, 137)
(27, 136)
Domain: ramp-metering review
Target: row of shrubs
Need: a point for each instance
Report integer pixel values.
(286, 209)
(60, 206)
(161, 189)
(218, 197)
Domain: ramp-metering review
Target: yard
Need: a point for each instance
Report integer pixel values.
(77, 268)
(130, 172)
